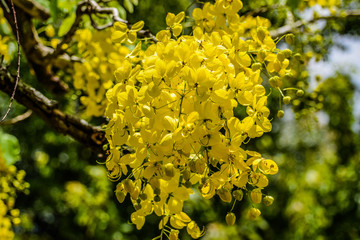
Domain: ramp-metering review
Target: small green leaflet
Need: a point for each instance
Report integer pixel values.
(66, 24)
(9, 148)
(129, 6)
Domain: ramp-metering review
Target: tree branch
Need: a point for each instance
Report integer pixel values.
(79, 129)
(298, 24)
(36, 53)
(17, 119)
(34, 9)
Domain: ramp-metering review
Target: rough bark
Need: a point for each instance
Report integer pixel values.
(48, 110)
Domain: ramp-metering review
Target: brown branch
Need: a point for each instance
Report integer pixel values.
(79, 129)
(17, 119)
(34, 9)
(36, 53)
(298, 24)
(263, 9)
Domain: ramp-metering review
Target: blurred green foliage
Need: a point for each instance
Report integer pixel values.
(317, 190)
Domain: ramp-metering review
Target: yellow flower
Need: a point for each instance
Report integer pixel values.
(179, 220)
(194, 230)
(204, 17)
(174, 22)
(124, 35)
(237, 49)
(228, 6)
(276, 63)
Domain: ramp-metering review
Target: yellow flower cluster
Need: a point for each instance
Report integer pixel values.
(94, 75)
(4, 48)
(171, 115)
(11, 181)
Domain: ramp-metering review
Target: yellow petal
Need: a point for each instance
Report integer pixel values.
(177, 29)
(131, 37)
(197, 14)
(118, 37)
(170, 19)
(179, 17)
(138, 220)
(137, 26)
(120, 26)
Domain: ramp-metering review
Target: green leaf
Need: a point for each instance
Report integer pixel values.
(67, 5)
(121, 9)
(122, 12)
(66, 25)
(135, 2)
(54, 9)
(293, 4)
(129, 6)
(9, 148)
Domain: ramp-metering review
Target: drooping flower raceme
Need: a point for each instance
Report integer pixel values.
(171, 115)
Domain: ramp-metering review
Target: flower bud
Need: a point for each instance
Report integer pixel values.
(268, 200)
(300, 93)
(186, 175)
(169, 170)
(238, 194)
(135, 193)
(256, 195)
(297, 56)
(287, 99)
(120, 195)
(157, 198)
(254, 213)
(275, 82)
(129, 185)
(289, 38)
(256, 66)
(187, 184)
(280, 114)
(287, 53)
(230, 218)
(224, 195)
(143, 196)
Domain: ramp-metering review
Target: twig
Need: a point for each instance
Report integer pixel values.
(18, 67)
(298, 24)
(33, 8)
(17, 119)
(263, 9)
